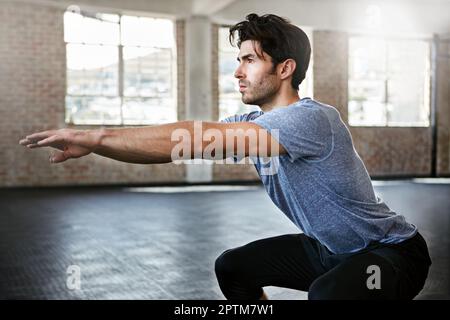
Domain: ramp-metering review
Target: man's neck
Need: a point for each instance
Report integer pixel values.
(280, 102)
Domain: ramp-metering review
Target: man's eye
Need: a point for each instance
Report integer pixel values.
(250, 60)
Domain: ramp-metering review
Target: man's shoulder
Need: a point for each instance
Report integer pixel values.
(243, 117)
(316, 105)
(301, 111)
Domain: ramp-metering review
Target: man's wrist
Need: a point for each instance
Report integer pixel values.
(95, 137)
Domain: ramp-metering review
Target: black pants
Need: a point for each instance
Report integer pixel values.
(380, 271)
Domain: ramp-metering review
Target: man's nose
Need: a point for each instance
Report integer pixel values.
(238, 73)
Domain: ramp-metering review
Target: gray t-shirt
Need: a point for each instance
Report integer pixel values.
(321, 184)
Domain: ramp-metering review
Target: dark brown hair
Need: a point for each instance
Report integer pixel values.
(278, 38)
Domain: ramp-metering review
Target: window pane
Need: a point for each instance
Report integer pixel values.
(101, 32)
(227, 82)
(79, 29)
(407, 81)
(149, 32)
(367, 81)
(367, 102)
(75, 82)
(224, 43)
(149, 111)
(367, 113)
(367, 58)
(147, 72)
(231, 105)
(388, 82)
(92, 70)
(92, 110)
(73, 27)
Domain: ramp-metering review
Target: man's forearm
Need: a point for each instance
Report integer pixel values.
(143, 145)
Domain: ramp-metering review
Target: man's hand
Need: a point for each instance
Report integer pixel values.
(70, 143)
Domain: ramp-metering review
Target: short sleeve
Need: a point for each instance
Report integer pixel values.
(304, 132)
(242, 117)
(231, 119)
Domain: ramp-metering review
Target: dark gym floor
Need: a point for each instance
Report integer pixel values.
(161, 242)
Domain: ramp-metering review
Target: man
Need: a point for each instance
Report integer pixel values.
(353, 245)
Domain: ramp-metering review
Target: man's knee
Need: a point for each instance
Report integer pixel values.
(226, 263)
(231, 262)
(234, 274)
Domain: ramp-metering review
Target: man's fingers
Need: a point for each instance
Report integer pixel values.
(50, 141)
(54, 141)
(35, 137)
(26, 142)
(40, 135)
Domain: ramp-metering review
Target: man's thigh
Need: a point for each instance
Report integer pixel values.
(290, 261)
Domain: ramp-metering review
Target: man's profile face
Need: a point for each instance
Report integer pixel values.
(258, 81)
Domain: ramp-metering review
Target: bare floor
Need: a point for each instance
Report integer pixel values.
(161, 242)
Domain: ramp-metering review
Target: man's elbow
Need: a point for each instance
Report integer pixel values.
(217, 141)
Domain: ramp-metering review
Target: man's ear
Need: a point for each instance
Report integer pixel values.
(288, 68)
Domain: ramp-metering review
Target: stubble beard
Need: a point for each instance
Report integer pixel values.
(262, 93)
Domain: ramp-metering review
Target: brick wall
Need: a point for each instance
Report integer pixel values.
(32, 92)
(330, 69)
(215, 71)
(181, 67)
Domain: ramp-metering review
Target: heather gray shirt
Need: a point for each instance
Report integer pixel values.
(321, 184)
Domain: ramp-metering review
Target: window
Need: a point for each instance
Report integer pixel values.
(389, 82)
(230, 102)
(121, 70)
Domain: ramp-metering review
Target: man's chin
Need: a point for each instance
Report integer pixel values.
(247, 100)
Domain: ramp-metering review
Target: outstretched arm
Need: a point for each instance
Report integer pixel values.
(155, 144)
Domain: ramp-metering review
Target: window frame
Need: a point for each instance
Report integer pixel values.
(121, 71)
